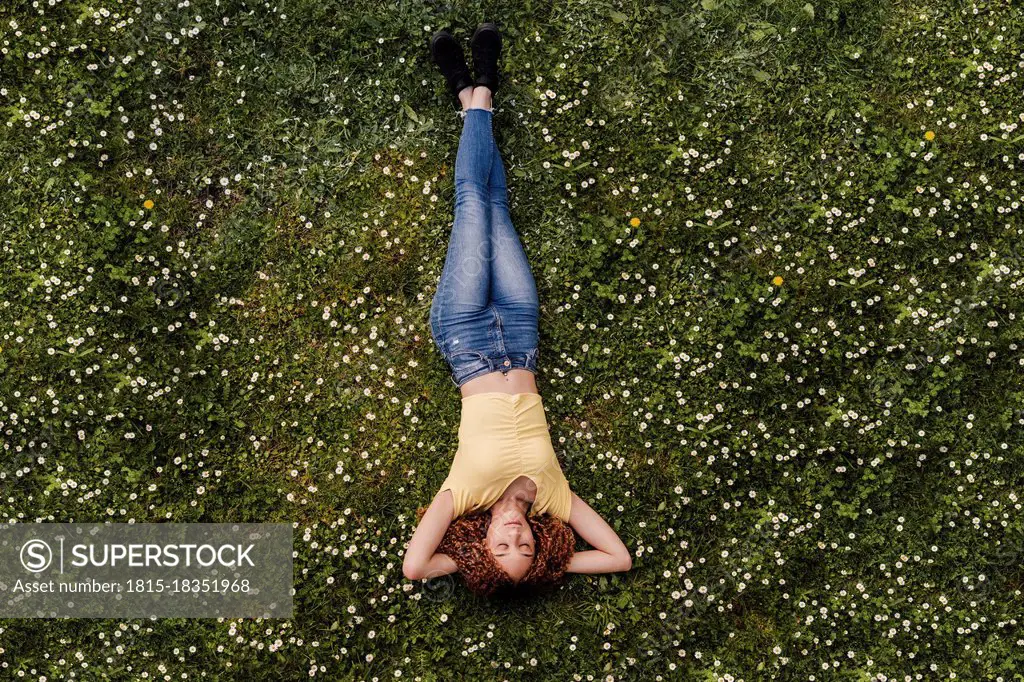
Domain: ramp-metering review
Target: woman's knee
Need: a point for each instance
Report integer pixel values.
(471, 187)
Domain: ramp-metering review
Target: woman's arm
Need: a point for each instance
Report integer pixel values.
(609, 554)
(421, 561)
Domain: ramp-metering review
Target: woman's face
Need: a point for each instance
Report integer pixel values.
(510, 540)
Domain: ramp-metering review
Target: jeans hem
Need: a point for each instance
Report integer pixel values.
(462, 113)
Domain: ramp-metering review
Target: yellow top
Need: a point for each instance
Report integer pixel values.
(503, 436)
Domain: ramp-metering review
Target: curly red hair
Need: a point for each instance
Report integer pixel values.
(464, 542)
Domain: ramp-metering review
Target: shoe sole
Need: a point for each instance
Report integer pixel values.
(489, 26)
(443, 33)
(485, 28)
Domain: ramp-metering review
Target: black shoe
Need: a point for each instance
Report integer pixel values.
(447, 54)
(486, 49)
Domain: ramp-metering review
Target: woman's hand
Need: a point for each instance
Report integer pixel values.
(609, 554)
(421, 561)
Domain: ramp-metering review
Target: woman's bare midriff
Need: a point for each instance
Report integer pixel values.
(514, 381)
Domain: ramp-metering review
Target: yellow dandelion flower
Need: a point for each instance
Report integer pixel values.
(635, 222)
(930, 135)
(148, 203)
(777, 281)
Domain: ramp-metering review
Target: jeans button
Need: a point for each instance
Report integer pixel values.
(507, 363)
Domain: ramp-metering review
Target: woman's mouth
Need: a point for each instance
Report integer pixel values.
(513, 523)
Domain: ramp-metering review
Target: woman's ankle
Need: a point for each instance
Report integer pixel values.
(466, 96)
(481, 98)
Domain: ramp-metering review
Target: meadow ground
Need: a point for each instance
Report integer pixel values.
(779, 252)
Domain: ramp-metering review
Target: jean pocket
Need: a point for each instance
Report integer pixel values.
(466, 361)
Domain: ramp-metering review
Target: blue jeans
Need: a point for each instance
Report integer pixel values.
(485, 311)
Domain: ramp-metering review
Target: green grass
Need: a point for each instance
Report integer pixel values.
(820, 479)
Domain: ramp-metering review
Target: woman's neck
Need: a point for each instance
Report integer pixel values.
(520, 494)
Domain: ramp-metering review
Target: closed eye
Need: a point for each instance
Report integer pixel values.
(505, 545)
